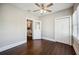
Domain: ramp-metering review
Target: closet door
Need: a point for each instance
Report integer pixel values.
(37, 29)
(62, 30)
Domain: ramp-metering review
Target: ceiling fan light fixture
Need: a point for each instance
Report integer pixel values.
(43, 8)
(43, 11)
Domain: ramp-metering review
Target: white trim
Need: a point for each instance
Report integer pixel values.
(11, 45)
(63, 17)
(46, 38)
(76, 50)
(50, 39)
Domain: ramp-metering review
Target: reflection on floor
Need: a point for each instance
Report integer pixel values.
(40, 47)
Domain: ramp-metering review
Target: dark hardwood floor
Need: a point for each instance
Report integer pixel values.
(40, 47)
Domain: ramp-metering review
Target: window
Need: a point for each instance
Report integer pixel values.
(76, 23)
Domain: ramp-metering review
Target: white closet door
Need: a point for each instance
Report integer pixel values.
(37, 29)
(62, 30)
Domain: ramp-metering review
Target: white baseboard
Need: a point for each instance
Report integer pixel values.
(46, 38)
(76, 50)
(11, 45)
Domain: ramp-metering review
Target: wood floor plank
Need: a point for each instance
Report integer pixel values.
(40, 47)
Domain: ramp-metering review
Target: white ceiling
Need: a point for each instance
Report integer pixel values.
(29, 7)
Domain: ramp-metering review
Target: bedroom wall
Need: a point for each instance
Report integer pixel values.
(48, 23)
(13, 25)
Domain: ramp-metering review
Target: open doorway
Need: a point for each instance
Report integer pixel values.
(29, 29)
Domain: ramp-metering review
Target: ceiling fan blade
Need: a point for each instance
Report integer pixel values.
(37, 4)
(49, 5)
(42, 6)
(49, 10)
(36, 10)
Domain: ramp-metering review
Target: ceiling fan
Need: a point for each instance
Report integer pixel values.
(43, 8)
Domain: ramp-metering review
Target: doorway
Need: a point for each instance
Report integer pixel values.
(29, 30)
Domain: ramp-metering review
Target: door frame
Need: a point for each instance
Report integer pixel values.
(33, 20)
(70, 27)
(26, 26)
(32, 27)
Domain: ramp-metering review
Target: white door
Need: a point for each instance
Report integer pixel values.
(62, 30)
(37, 29)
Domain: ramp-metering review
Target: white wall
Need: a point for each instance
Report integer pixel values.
(48, 23)
(47, 26)
(12, 24)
